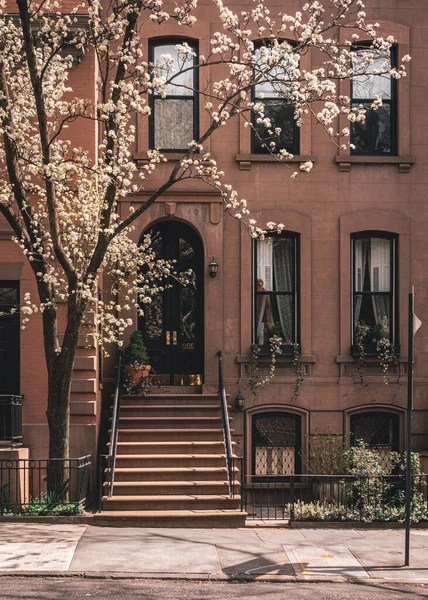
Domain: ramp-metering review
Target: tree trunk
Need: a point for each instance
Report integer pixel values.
(60, 371)
(58, 416)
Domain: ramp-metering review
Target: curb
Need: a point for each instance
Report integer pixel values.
(45, 520)
(214, 577)
(354, 525)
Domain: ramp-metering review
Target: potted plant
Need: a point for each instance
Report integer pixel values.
(136, 361)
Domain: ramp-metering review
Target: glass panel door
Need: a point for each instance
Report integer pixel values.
(173, 323)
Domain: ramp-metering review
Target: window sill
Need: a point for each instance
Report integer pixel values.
(282, 358)
(144, 157)
(344, 162)
(351, 358)
(245, 160)
(370, 350)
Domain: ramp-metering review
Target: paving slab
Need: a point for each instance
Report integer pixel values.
(38, 548)
(382, 538)
(389, 564)
(279, 537)
(327, 560)
(253, 561)
(138, 552)
(419, 539)
(332, 537)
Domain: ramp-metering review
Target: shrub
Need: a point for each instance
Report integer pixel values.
(135, 352)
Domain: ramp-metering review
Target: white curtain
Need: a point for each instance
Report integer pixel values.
(373, 258)
(283, 269)
(380, 277)
(264, 282)
(362, 256)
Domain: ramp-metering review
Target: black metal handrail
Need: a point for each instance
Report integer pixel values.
(114, 428)
(226, 427)
(11, 419)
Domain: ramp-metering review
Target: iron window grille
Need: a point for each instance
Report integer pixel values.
(174, 118)
(379, 430)
(374, 290)
(281, 115)
(276, 291)
(378, 134)
(276, 444)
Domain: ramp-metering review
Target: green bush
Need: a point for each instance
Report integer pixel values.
(135, 352)
(47, 505)
(369, 495)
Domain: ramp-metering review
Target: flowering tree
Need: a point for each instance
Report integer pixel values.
(62, 202)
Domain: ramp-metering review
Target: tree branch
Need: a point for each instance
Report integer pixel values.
(36, 83)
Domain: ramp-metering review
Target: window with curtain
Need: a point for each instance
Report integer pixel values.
(374, 287)
(272, 92)
(276, 439)
(378, 134)
(173, 121)
(276, 290)
(379, 430)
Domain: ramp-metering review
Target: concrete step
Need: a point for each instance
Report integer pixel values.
(171, 399)
(150, 422)
(172, 473)
(173, 502)
(169, 410)
(170, 460)
(171, 447)
(208, 519)
(163, 435)
(167, 488)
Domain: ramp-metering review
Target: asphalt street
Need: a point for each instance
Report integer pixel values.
(19, 588)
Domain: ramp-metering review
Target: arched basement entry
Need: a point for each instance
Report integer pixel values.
(173, 325)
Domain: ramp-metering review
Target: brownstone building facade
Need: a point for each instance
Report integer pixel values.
(354, 242)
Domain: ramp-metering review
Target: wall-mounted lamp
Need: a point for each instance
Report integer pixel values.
(212, 268)
(240, 400)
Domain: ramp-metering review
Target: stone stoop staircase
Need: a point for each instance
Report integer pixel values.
(171, 465)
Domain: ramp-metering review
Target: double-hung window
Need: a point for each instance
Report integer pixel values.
(374, 288)
(276, 290)
(173, 121)
(271, 91)
(377, 135)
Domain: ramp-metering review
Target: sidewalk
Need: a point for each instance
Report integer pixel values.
(264, 554)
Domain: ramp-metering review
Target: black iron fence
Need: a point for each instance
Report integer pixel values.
(11, 419)
(24, 485)
(333, 498)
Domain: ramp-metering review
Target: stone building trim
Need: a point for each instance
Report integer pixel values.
(296, 222)
(363, 220)
(201, 33)
(377, 407)
(403, 160)
(303, 413)
(305, 134)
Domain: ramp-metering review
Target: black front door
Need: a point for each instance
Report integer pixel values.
(9, 338)
(173, 322)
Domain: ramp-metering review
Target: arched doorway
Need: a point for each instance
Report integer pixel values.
(173, 324)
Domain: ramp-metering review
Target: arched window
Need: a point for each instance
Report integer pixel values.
(276, 302)
(173, 120)
(276, 441)
(379, 430)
